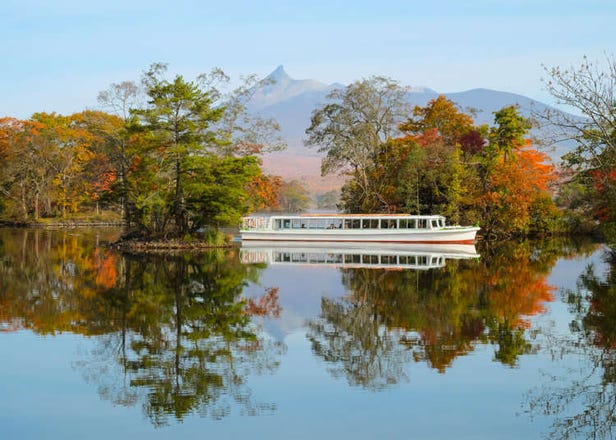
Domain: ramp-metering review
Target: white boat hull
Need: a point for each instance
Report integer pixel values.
(442, 235)
(354, 254)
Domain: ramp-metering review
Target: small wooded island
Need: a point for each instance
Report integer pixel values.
(177, 162)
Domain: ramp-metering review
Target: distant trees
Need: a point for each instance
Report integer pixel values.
(328, 200)
(435, 160)
(294, 197)
(175, 156)
(55, 165)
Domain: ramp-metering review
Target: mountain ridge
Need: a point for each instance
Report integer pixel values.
(291, 102)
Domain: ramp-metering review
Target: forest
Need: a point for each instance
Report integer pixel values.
(170, 157)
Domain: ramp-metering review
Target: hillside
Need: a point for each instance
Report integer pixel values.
(291, 102)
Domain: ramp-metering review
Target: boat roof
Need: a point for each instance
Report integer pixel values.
(317, 216)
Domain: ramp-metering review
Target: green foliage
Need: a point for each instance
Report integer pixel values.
(294, 197)
(216, 189)
(328, 200)
(508, 132)
(180, 162)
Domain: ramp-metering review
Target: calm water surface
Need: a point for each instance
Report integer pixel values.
(305, 343)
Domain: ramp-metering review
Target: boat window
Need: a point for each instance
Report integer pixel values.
(388, 223)
(286, 224)
(370, 223)
(434, 223)
(422, 223)
(370, 259)
(352, 223)
(407, 223)
(388, 259)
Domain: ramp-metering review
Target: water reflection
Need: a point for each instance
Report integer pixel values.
(582, 401)
(176, 333)
(391, 317)
(355, 255)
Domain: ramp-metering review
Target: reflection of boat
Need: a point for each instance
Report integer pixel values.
(391, 228)
(355, 255)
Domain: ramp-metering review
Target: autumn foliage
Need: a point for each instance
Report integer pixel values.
(445, 164)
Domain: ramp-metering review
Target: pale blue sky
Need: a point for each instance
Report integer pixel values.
(58, 54)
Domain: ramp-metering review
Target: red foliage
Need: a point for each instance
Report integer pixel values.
(266, 305)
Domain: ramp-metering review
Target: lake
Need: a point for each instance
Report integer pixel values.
(511, 340)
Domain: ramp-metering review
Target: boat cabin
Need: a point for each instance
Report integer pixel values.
(372, 222)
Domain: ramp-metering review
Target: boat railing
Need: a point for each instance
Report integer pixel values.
(255, 223)
(343, 222)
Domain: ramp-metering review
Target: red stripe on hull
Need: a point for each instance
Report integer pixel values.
(471, 241)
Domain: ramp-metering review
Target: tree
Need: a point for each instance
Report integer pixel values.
(31, 164)
(328, 200)
(119, 98)
(508, 132)
(444, 116)
(518, 200)
(352, 126)
(193, 156)
(516, 180)
(178, 120)
(293, 196)
(97, 132)
(444, 133)
(248, 134)
(590, 90)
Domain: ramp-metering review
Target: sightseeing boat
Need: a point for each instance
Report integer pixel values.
(386, 228)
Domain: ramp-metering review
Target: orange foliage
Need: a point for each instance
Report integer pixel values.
(518, 292)
(264, 190)
(266, 305)
(516, 185)
(106, 180)
(106, 273)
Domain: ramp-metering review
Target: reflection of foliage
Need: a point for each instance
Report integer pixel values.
(436, 315)
(586, 406)
(192, 358)
(49, 280)
(349, 336)
(174, 331)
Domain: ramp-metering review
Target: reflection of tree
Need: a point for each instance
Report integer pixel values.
(349, 336)
(49, 279)
(585, 407)
(198, 345)
(174, 332)
(435, 316)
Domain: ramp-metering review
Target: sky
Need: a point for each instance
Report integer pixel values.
(58, 54)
